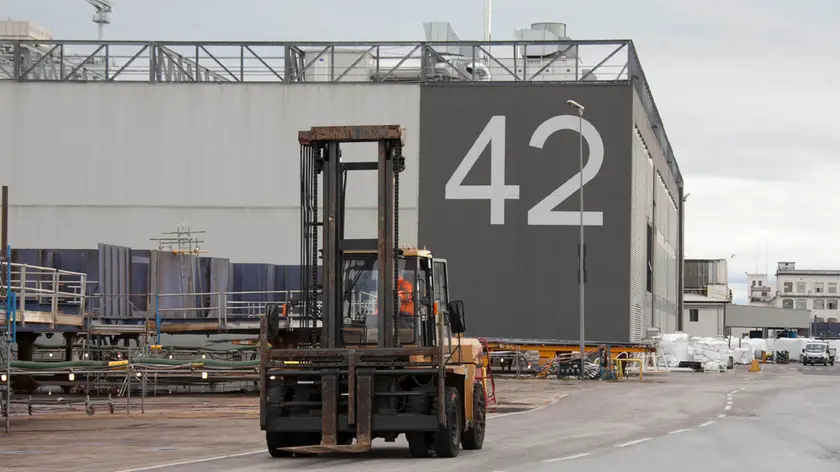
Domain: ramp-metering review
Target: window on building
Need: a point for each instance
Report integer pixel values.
(819, 304)
(788, 287)
(831, 304)
(787, 303)
(832, 287)
(800, 287)
(759, 283)
(801, 304)
(754, 284)
(694, 315)
(819, 287)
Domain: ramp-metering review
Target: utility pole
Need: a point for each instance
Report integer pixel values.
(582, 250)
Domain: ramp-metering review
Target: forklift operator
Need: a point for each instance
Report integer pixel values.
(406, 292)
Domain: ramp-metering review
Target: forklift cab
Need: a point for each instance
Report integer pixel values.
(422, 292)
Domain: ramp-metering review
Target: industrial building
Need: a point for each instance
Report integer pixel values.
(491, 161)
(708, 309)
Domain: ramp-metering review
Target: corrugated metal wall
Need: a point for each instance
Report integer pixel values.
(639, 298)
(114, 280)
(223, 159)
(699, 273)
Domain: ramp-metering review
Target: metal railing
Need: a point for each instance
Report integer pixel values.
(45, 287)
(335, 62)
(296, 62)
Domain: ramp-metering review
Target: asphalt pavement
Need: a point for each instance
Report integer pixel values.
(684, 422)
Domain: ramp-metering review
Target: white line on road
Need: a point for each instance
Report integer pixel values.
(567, 458)
(707, 424)
(631, 443)
(733, 392)
(680, 431)
(727, 408)
(193, 461)
(720, 417)
(552, 402)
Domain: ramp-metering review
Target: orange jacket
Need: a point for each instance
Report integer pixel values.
(404, 289)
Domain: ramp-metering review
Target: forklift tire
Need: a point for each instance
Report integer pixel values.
(448, 439)
(274, 441)
(420, 443)
(473, 438)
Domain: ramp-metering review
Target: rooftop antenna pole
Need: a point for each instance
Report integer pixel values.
(488, 22)
(102, 15)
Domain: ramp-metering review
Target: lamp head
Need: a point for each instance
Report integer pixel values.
(575, 104)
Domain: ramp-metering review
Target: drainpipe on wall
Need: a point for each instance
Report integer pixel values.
(681, 262)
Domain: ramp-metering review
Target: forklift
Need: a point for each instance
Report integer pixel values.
(373, 347)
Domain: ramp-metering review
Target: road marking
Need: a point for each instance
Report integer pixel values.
(727, 408)
(631, 443)
(194, 461)
(552, 402)
(722, 416)
(733, 392)
(680, 431)
(567, 458)
(706, 424)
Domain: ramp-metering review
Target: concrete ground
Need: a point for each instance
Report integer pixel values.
(680, 419)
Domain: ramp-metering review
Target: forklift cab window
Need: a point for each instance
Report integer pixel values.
(361, 310)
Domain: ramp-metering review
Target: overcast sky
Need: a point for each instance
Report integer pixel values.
(748, 91)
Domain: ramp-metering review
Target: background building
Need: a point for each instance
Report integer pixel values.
(131, 158)
(808, 289)
(706, 295)
(759, 291)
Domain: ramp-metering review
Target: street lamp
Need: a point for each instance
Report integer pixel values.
(580, 109)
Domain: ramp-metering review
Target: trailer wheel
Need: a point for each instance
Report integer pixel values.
(448, 439)
(274, 441)
(473, 439)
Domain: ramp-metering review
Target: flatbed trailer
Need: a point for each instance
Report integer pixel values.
(548, 349)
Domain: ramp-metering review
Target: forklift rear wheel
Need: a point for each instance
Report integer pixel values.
(473, 439)
(274, 441)
(448, 439)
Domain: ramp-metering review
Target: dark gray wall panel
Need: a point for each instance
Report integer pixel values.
(519, 280)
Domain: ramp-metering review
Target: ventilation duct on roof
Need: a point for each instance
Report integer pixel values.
(545, 32)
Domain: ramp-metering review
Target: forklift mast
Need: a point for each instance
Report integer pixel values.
(321, 154)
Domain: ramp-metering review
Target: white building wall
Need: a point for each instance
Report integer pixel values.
(122, 163)
(709, 320)
(819, 293)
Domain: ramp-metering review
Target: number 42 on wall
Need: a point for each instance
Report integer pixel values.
(497, 191)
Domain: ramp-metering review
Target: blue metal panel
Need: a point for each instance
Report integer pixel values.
(253, 278)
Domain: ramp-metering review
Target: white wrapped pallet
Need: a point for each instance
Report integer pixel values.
(743, 355)
(673, 348)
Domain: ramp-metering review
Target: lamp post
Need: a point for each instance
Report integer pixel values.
(581, 253)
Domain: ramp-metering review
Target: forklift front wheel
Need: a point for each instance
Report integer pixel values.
(473, 438)
(274, 441)
(448, 439)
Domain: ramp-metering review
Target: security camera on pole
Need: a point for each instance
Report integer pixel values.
(581, 249)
